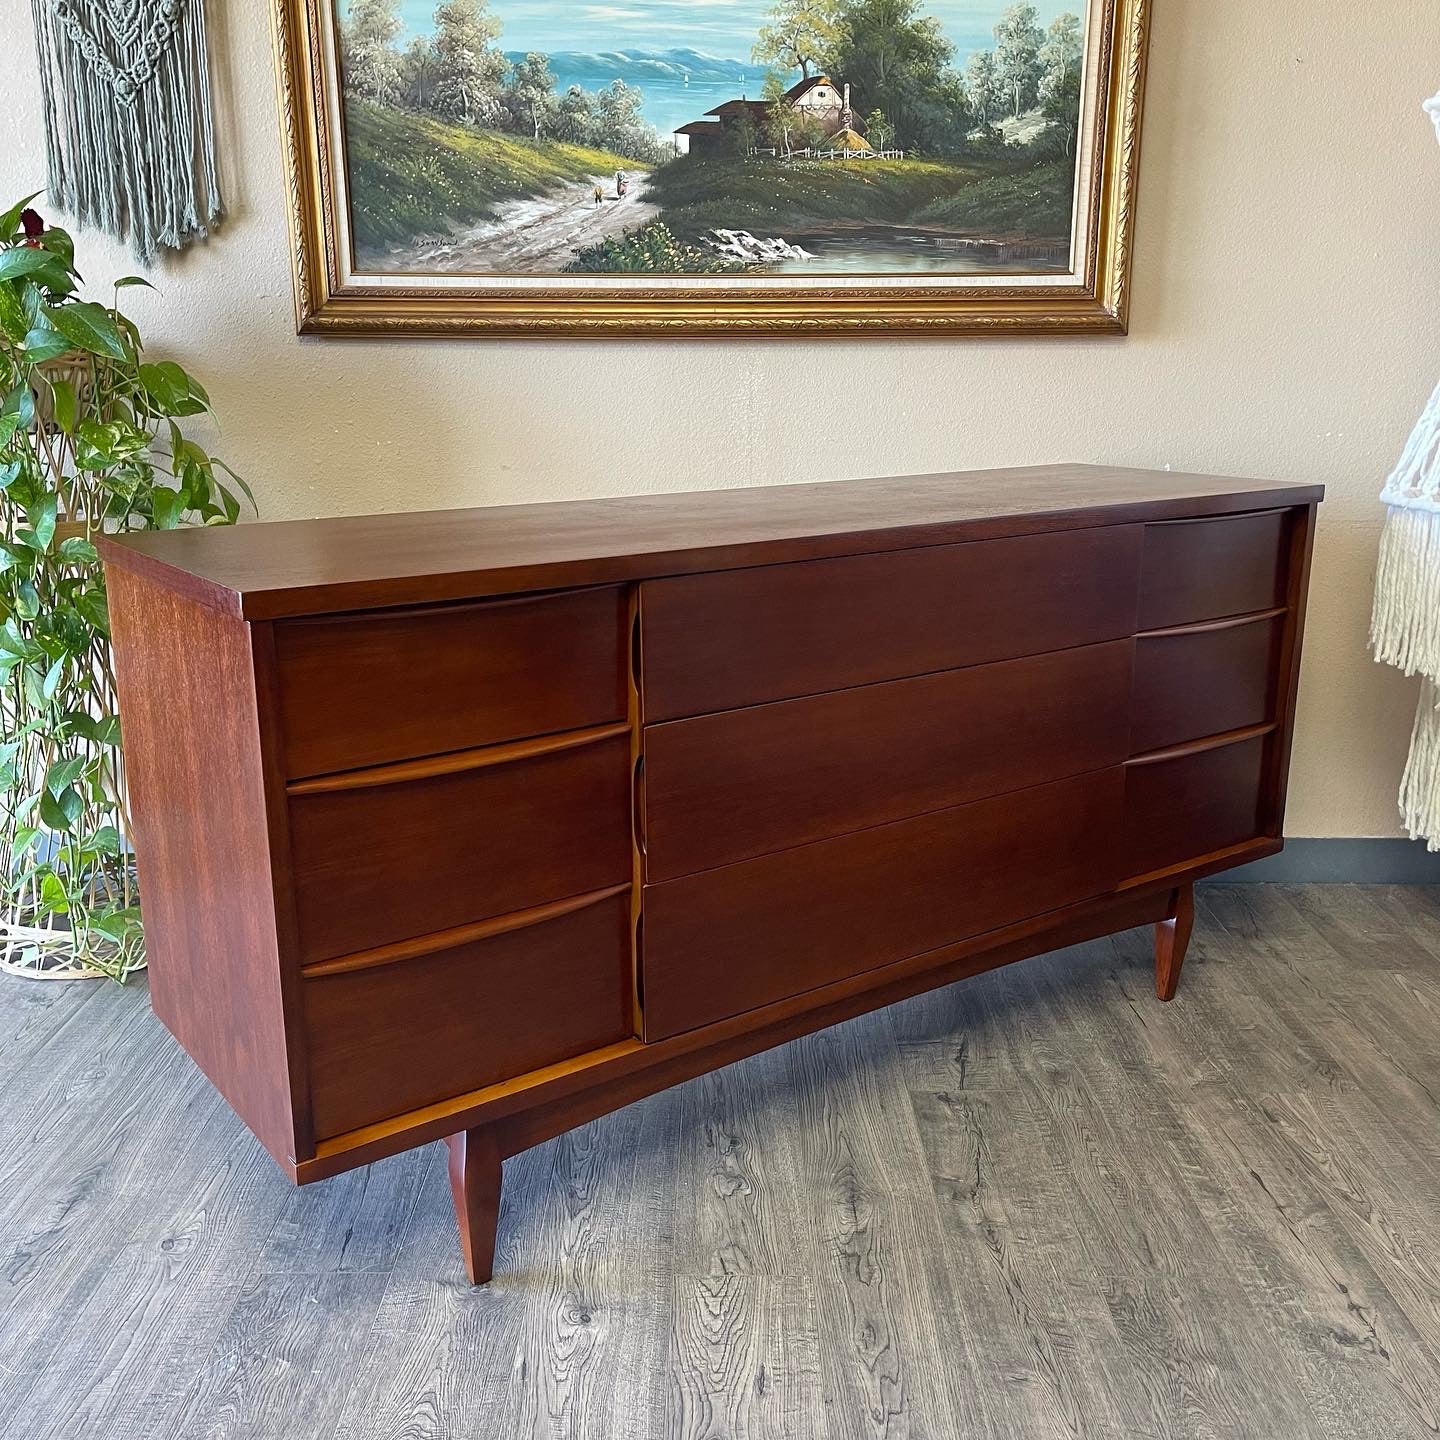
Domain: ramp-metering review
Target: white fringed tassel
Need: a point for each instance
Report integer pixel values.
(129, 135)
(1405, 632)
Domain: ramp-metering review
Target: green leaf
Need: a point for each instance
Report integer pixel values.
(64, 772)
(22, 840)
(76, 550)
(167, 506)
(13, 319)
(61, 811)
(53, 896)
(118, 924)
(20, 403)
(10, 220)
(42, 519)
(42, 343)
(26, 260)
(66, 405)
(106, 840)
(51, 682)
(91, 604)
(90, 326)
(125, 280)
(27, 600)
(9, 424)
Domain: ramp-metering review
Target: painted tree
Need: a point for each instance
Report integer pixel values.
(620, 125)
(1018, 38)
(469, 73)
(574, 118)
(878, 129)
(419, 68)
(530, 95)
(797, 34)
(368, 58)
(779, 113)
(984, 88)
(897, 60)
(1061, 59)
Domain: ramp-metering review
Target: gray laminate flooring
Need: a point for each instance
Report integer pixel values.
(1035, 1204)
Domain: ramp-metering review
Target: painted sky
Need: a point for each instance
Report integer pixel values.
(725, 28)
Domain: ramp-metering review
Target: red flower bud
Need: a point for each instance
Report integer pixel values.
(32, 223)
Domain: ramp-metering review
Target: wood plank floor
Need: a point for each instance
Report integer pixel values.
(1036, 1204)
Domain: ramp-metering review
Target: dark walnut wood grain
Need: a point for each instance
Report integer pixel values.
(800, 754)
(743, 637)
(1205, 569)
(394, 1036)
(308, 567)
(365, 689)
(726, 787)
(212, 874)
(388, 862)
(725, 941)
(1205, 679)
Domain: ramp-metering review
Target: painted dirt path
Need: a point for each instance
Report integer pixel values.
(538, 234)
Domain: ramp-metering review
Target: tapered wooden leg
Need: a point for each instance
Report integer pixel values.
(1172, 936)
(475, 1187)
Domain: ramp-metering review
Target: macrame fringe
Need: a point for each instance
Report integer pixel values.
(130, 150)
(1405, 632)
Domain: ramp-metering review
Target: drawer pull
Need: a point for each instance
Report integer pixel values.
(456, 762)
(1196, 747)
(460, 935)
(1203, 627)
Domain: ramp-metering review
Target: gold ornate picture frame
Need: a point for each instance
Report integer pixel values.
(418, 286)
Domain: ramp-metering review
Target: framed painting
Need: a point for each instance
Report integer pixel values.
(711, 167)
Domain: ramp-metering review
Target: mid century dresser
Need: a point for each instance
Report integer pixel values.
(479, 824)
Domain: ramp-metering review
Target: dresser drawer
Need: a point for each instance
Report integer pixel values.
(1204, 681)
(725, 941)
(1192, 805)
(390, 861)
(743, 637)
(1204, 569)
(396, 1036)
(725, 787)
(365, 689)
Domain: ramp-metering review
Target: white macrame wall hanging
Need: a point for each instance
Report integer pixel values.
(126, 89)
(1405, 624)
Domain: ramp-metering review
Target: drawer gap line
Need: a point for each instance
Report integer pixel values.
(1204, 627)
(452, 939)
(455, 762)
(1206, 742)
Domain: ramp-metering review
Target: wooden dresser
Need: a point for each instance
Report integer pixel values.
(479, 824)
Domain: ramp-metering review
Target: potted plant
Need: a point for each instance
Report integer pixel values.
(90, 441)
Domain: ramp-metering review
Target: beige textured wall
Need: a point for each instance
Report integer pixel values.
(1286, 325)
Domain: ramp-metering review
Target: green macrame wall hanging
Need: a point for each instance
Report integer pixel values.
(131, 146)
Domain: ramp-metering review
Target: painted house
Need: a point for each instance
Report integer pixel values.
(817, 96)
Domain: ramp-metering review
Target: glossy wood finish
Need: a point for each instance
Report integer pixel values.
(1172, 939)
(1204, 680)
(727, 787)
(891, 758)
(726, 941)
(211, 869)
(361, 690)
(475, 1179)
(387, 1038)
(715, 642)
(378, 865)
(1205, 569)
(1192, 803)
(309, 567)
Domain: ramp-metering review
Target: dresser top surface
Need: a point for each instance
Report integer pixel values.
(302, 567)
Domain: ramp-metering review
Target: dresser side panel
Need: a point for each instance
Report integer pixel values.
(195, 767)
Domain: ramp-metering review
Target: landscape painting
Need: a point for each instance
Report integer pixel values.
(753, 151)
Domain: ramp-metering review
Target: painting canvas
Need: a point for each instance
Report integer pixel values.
(533, 164)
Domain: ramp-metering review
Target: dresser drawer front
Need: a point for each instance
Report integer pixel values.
(726, 941)
(1205, 569)
(1193, 805)
(745, 637)
(361, 690)
(389, 1039)
(1204, 682)
(393, 861)
(726, 787)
